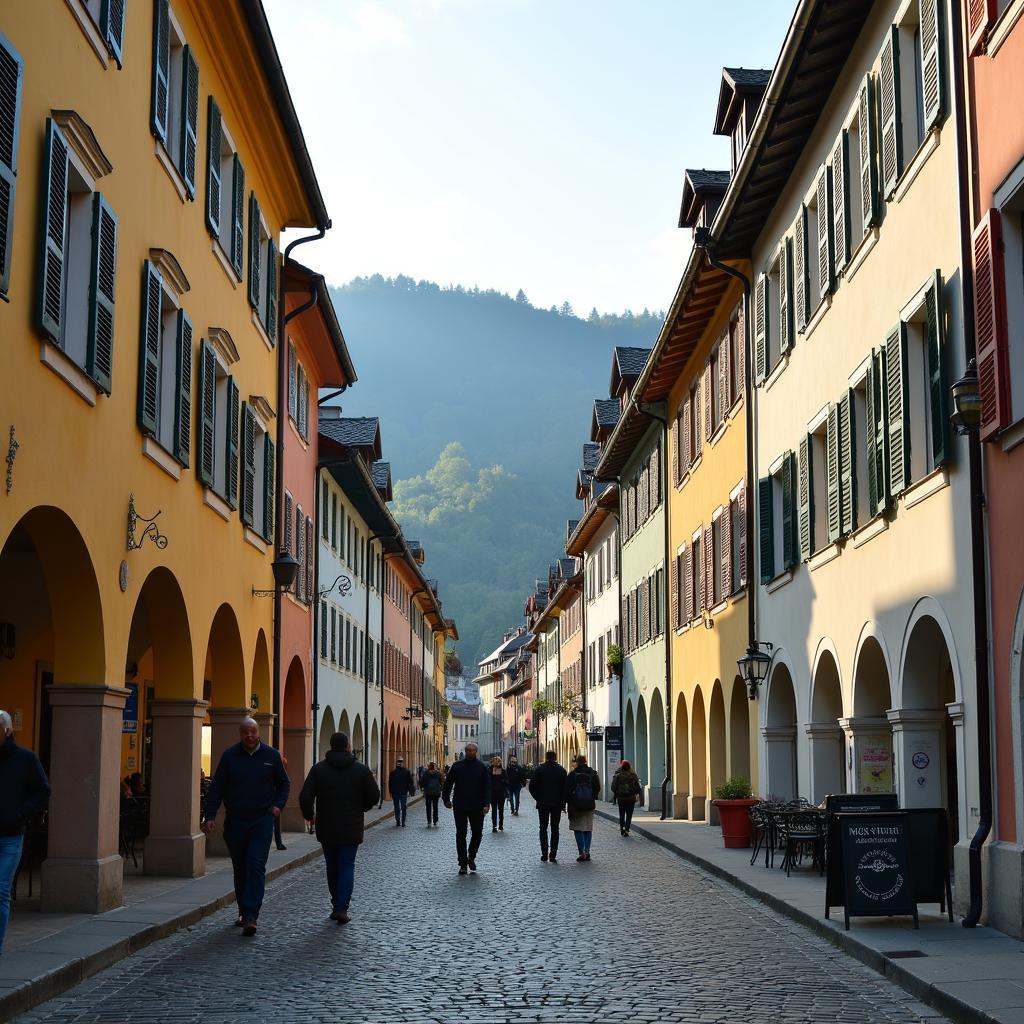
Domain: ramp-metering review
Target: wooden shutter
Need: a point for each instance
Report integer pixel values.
(53, 256)
(687, 583)
(293, 390)
(847, 464)
(990, 325)
(785, 296)
(897, 390)
(833, 474)
(708, 556)
(873, 414)
(269, 481)
(272, 286)
(741, 570)
(724, 382)
(790, 541)
(11, 73)
(708, 401)
(255, 255)
(938, 391)
(305, 407)
(237, 215)
(206, 433)
(801, 272)
(213, 183)
(824, 233)
(323, 631)
(159, 104)
(655, 466)
(189, 120)
(868, 156)
(805, 493)
(980, 16)
(300, 552)
(697, 399)
(892, 113)
(99, 355)
(684, 465)
(112, 27)
(741, 349)
(231, 440)
(760, 328)
(183, 390)
(310, 549)
(149, 349)
(933, 71)
(677, 430)
(840, 171)
(674, 580)
(725, 528)
(248, 497)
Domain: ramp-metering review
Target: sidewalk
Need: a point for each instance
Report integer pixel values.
(974, 975)
(46, 954)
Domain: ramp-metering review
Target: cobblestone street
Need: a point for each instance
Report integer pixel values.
(519, 941)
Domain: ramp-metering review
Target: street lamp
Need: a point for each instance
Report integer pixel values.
(966, 394)
(285, 568)
(754, 664)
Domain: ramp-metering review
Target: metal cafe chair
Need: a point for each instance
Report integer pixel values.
(802, 832)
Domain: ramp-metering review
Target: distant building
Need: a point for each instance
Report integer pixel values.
(463, 728)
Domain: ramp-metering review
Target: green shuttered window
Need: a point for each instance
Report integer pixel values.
(112, 27)
(891, 107)
(805, 493)
(12, 70)
(189, 120)
(183, 391)
(53, 246)
(206, 421)
(269, 479)
(214, 143)
(99, 357)
(149, 349)
(231, 442)
(160, 98)
(766, 527)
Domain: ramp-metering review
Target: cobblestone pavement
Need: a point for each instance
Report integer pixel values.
(635, 935)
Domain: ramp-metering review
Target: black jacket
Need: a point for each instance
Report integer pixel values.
(249, 784)
(471, 779)
(432, 783)
(499, 786)
(571, 782)
(400, 781)
(24, 790)
(338, 790)
(516, 776)
(547, 786)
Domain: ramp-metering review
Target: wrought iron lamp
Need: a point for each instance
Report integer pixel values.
(285, 568)
(966, 395)
(754, 664)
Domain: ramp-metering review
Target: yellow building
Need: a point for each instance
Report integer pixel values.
(157, 158)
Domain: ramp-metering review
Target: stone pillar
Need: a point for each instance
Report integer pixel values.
(828, 759)
(298, 748)
(919, 756)
(83, 870)
(780, 759)
(265, 720)
(869, 754)
(681, 806)
(956, 714)
(175, 846)
(224, 724)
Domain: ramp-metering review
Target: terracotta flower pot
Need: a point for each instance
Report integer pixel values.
(737, 827)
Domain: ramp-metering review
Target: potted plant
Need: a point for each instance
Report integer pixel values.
(734, 800)
(614, 658)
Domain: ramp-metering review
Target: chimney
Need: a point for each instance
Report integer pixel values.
(329, 412)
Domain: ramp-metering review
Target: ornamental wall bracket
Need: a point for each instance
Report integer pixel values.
(12, 454)
(151, 530)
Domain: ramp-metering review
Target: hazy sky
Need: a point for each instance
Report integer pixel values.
(535, 144)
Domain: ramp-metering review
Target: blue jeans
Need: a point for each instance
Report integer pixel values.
(340, 862)
(513, 798)
(399, 800)
(10, 858)
(583, 841)
(248, 841)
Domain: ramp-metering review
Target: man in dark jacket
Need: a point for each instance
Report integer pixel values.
(516, 781)
(251, 781)
(547, 787)
(23, 793)
(402, 787)
(432, 784)
(472, 784)
(337, 792)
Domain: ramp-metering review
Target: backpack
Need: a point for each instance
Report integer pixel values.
(581, 796)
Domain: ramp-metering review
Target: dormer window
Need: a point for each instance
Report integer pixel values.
(738, 99)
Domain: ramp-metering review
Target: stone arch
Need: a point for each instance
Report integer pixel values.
(780, 734)
(739, 731)
(681, 755)
(698, 757)
(872, 692)
(717, 758)
(629, 735)
(344, 725)
(297, 731)
(374, 763)
(224, 671)
(869, 731)
(327, 730)
(929, 615)
(357, 739)
(656, 744)
(825, 735)
(261, 680)
(642, 765)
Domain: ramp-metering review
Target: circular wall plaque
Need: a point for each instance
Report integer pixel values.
(920, 760)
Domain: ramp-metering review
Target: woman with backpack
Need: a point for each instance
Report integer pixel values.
(499, 791)
(581, 788)
(626, 790)
(431, 783)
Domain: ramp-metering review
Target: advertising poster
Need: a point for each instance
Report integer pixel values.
(874, 773)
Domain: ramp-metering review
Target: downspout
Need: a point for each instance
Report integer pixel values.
(366, 661)
(412, 605)
(383, 684)
(977, 489)
(583, 667)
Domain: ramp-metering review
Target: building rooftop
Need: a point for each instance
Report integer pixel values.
(462, 710)
(382, 478)
(353, 431)
(592, 453)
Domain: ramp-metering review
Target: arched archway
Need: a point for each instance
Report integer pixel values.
(780, 735)
(327, 730)
(629, 737)
(681, 756)
(642, 765)
(698, 758)
(297, 731)
(263, 700)
(739, 731)
(357, 739)
(656, 743)
(869, 732)
(824, 734)
(374, 764)
(344, 725)
(716, 746)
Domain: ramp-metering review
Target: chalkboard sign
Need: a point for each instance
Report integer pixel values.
(838, 803)
(877, 878)
(929, 856)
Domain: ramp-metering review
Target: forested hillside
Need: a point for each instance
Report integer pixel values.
(485, 402)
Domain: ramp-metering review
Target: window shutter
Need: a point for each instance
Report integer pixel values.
(272, 286)
(824, 233)
(205, 437)
(741, 570)
(231, 463)
(99, 357)
(941, 448)
(673, 585)
(980, 16)
(183, 389)
(237, 215)
(805, 488)
(299, 588)
(698, 412)
(323, 630)
(112, 26)
(847, 465)
(685, 455)
(725, 395)
(149, 348)
(677, 432)
(725, 526)
(707, 550)
(868, 156)
(708, 384)
(789, 539)
(213, 182)
(305, 407)
(310, 549)
(248, 497)
(933, 71)
(990, 326)
(655, 466)
(892, 114)
(840, 171)
(11, 73)
(760, 327)
(254, 252)
(55, 199)
(872, 409)
(189, 120)
(897, 393)
(741, 349)
(833, 470)
(293, 410)
(786, 296)
(801, 275)
(269, 478)
(161, 69)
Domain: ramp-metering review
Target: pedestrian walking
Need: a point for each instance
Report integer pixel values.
(499, 791)
(419, 777)
(337, 792)
(547, 787)
(626, 789)
(278, 841)
(24, 791)
(401, 786)
(471, 781)
(516, 781)
(251, 782)
(432, 784)
(581, 788)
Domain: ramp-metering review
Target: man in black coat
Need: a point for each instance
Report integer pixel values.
(516, 781)
(472, 784)
(337, 792)
(547, 787)
(402, 787)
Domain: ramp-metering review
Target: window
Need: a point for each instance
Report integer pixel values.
(225, 189)
(732, 365)
(716, 587)
(299, 585)
(334, 520)
(657, 581)
(334, 628)
(696, 575)
(737, 542)
(773, 304)
(777, 521)
(812, 487)
(812, 269)
(348, 645)
(263, 282)
(715, 396)
(11, 71)
(218, 426)
(174, 106)
(298, 393)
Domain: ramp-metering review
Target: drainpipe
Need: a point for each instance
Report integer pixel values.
(977, 488)
(383, 683)
(366, 661)
(412, 606)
